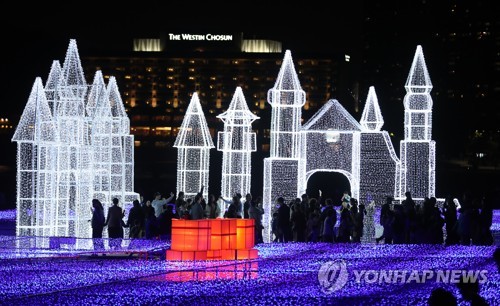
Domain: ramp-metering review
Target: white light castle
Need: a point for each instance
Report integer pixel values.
(73, 145)
(237, 141)
(333, 141)
(193, 145)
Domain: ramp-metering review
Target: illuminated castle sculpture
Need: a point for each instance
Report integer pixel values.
(237, 141)
(73, 146)
(333, 141)
(193, 145)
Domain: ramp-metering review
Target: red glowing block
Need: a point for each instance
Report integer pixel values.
(191, 235)
(245, 234)
(223, 234)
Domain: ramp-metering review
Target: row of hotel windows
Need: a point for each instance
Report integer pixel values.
(156, 64)
(169, 144)
(167, 131)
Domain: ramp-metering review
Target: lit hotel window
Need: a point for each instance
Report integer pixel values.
(163, 131)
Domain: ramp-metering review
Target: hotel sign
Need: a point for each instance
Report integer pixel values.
(209, 37)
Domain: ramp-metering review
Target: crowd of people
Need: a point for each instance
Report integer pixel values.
(153, 219)
(410, 223)
(308, 219)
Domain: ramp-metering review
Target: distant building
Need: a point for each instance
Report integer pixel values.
(158, 79)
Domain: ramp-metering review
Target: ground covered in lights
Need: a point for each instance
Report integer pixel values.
(285, 274)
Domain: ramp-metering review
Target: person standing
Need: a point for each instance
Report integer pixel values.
(180, 205)
(196, 212)
(136, 220)
(212, 210)
(247, 205)
(97, 224)
(283, 220)
(115, 224)
(158, 203)
(255, 212)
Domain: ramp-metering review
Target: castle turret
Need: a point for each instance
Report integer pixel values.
(281, 168)
(51, 85)
(236, 142)
(286, 99)
(122, 146)
(371, 119)
(417, 148)
(36, 135)
(193, 145)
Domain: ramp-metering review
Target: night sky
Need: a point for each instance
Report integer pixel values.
(30, 43)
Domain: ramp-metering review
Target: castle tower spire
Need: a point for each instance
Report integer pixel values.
(237, 142)
(286, 99)
(193, 145)
(418, 148)
(281, 168)
(371, 119)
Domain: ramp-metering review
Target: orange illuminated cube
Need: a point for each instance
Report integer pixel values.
(190, 235)
(212, 239)
(245, 234)
(223, 234)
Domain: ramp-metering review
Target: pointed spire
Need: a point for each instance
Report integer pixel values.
(36, 123)
(115, 99)
(117, 109)
(97, 104)
(51, 86)
(287, 83)
(371, 119)
(194, 130)
(238, 109)
(287, 77)
(72, 77)
(418, 79)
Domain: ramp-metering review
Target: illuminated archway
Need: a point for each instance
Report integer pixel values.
(334, 193)
(332, 184)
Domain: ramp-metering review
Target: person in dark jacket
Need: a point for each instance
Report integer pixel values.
(284, 220)
(165, 222)
(97, 224)
(136, 220)
(115, 224)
